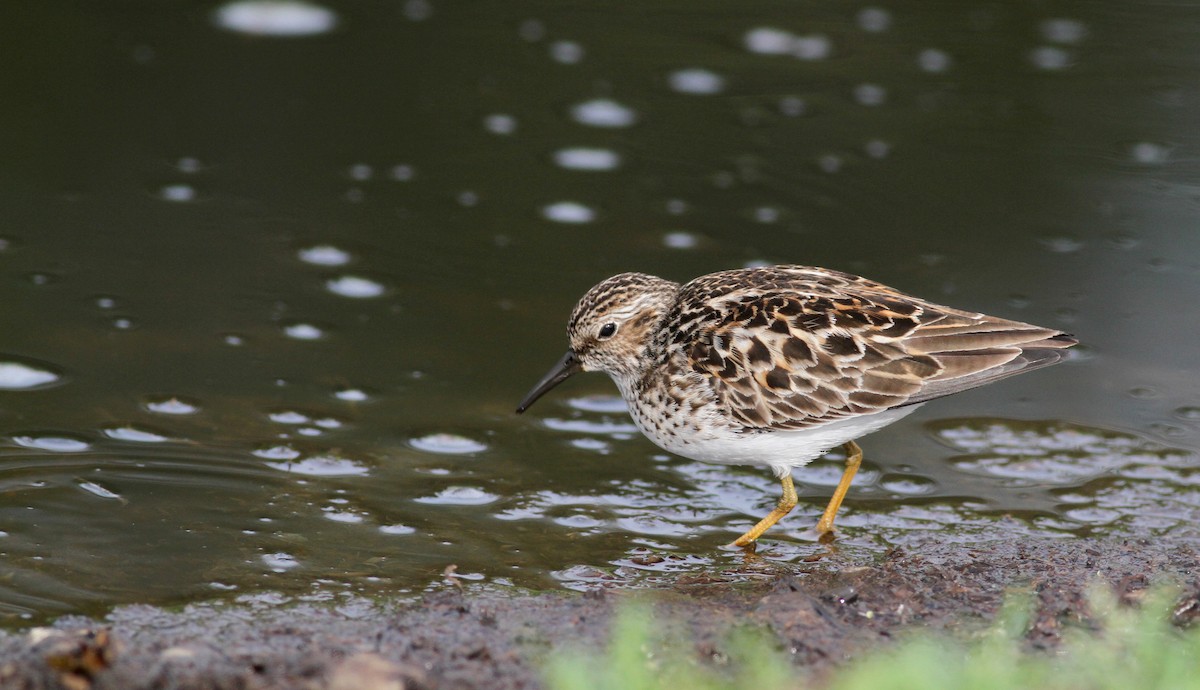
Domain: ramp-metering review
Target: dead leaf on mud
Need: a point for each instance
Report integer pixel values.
(77, 655)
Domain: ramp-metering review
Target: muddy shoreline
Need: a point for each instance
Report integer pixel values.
(821, 613)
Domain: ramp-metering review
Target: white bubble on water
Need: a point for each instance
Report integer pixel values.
(877, 148)
(812, 47)
(792, 106)
(459, 496)
(55, 444)
(396, 529)
(288, 417)
(680, 240)
(280, 18)
(343, 516)
(767, 40)
(566, 52)
(531, 30)
(696, 81)
(188, 164)
(611, 404)
(1050, 58)
(592, 444)
(603, 112)
(874, 19)
(323, 466)
(569, 212)
(870, 94)
(1063, 30)
(500, 123)
(1060, 244)
(766, 214)
(449, 444)
(578, 158)
(585, 426)
(277, 452)
(178, 192)
(829, 162)
(934, 60)
(1149, 153)
(172, 405)
(280, 561)
(324, 255)
(351, 395)
(303, 331)
(99, 491)
(355, 287)
(18, 376)
(134, 434)
(417, 10)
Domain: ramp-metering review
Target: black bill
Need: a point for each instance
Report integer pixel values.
(558, 373)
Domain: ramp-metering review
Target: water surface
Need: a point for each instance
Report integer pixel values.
(274, 277)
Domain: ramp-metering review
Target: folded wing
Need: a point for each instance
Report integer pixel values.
(799, 347)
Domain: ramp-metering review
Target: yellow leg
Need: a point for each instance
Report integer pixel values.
(853, 460)
(786, 503)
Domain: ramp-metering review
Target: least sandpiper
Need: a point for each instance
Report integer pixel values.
(775, 366)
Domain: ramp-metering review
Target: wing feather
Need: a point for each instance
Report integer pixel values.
(790, 347)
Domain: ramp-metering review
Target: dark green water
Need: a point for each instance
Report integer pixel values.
(293, 287)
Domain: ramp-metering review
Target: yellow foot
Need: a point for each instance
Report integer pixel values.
(786, 503)
(853, 461)
(824, 528)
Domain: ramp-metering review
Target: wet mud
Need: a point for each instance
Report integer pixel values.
(822, 614)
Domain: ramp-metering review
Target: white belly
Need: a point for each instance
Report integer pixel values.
(780, 450)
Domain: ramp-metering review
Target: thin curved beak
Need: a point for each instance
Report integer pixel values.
(558, 373)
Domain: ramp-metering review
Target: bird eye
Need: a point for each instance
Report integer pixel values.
(607, 330)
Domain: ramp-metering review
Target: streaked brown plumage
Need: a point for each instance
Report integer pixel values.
(776, 365)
